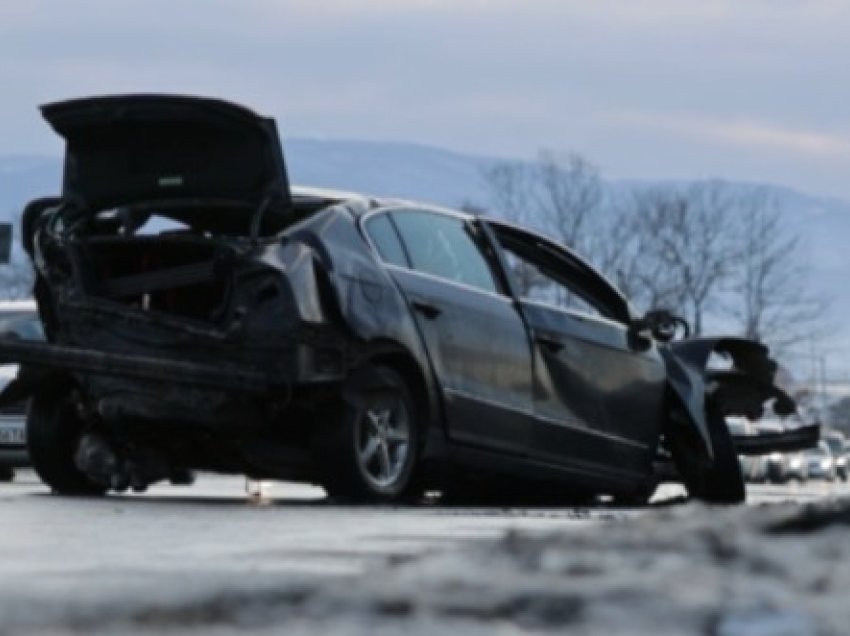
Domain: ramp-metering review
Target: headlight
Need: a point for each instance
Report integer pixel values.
(825, 463)
(795, 462)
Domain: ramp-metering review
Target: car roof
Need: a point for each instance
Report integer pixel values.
(17, 306)
(310, 195)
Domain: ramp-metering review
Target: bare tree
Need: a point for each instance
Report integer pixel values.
(557, 194)
(510, 185)
(623, 250)
(770, 299)
(692, 249)
(686, 247)
(568, 195)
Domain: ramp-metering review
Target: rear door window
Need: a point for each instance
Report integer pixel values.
(380, 229)
(442, 245)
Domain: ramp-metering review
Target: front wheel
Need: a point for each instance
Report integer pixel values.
(716, 480)
(368, 450)
(53, 435)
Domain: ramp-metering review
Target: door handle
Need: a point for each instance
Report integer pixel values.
(549, 342)
(427, 309)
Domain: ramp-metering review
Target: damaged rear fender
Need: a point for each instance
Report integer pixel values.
(342, 282)
(742, 389)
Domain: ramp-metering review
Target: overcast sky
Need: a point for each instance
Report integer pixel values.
(746, 89)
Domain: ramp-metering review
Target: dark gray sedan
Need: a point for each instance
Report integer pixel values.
(201, 314)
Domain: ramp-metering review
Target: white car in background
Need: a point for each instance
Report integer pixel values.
(753, 467)
(821, 462)
(838, 446)
(18, 319)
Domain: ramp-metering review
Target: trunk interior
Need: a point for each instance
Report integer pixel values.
(181, 277)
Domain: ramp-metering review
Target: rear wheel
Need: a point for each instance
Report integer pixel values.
(53, 435)
(713, 480)
(369, 449)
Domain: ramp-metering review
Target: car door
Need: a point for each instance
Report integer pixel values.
(599, 390)
(475, 338)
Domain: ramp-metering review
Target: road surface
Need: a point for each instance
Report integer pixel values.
(167, 558)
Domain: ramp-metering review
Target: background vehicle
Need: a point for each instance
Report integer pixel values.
(753, 467)
(796, 467)
(838, 447)
(19, 320)
(201, 315)
(776, 463)
(821, 464)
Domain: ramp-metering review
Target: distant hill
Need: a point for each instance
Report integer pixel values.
(382, 169)
(450, 178)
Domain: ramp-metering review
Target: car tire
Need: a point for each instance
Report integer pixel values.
(716, 480)
(53, 434)
(7, 474)
(368, 449)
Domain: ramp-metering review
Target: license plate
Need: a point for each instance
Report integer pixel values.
(10, 436)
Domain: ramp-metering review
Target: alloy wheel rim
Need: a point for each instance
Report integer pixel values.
(383, 443)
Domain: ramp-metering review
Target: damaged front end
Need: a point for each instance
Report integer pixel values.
(743, 385)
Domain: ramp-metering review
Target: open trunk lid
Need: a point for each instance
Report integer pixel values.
(145, 148)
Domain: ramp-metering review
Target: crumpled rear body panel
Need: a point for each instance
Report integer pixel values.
(309, 306)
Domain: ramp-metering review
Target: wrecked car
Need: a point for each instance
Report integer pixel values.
(200, 314)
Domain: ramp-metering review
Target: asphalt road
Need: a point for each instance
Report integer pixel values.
(65, 561)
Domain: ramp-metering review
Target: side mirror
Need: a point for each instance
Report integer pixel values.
(5, 242)
(660, 325)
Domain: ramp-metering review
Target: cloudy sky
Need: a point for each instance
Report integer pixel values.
(746, 89)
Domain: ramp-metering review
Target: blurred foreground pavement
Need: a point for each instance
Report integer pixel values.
(207, 560)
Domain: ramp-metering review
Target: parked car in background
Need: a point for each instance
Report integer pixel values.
(777, 468)
(18, 320)
(776, 463)
(796, 467)
(837, 443)
(753, 467)
(201, 314)
(821, 464)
